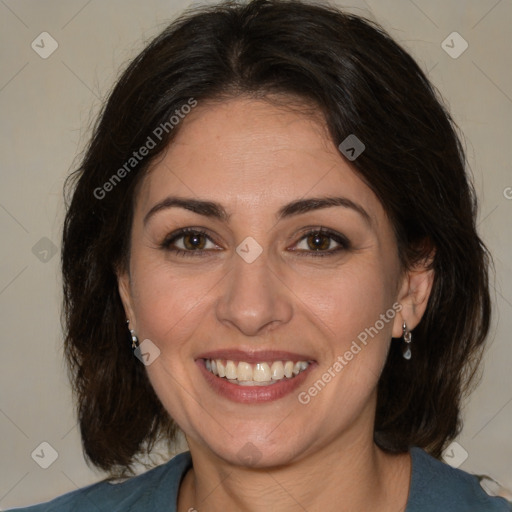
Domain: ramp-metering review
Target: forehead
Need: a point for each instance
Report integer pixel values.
(252, 153)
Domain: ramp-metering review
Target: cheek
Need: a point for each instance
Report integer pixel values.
(170, 309)
(349, 299)
(169, 305)
(349, 306)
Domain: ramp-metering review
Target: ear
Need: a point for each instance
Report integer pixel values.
(415, 288)
(124, 287)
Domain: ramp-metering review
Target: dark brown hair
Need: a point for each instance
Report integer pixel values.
(363, 83)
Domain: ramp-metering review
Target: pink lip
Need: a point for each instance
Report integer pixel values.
(254, 356)
(253, 394)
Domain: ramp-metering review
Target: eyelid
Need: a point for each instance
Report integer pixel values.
(340, 239)
(180, 233)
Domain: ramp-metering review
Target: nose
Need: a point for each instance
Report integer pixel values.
(254, 299)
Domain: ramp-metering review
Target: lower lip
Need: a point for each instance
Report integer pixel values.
(253, 394)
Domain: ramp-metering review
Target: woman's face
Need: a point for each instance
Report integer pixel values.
(254, 285)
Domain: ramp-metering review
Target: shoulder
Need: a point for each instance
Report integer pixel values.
(151, 490)
(436, 486)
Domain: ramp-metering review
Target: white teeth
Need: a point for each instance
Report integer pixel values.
(277, 370)
(231, 372)
(244, 371)
(288, 369)
(259, 374)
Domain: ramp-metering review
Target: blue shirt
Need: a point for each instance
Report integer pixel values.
(435, 487)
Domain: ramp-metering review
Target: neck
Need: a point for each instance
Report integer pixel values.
(353, 475)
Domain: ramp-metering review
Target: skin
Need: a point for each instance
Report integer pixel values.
(254, 157)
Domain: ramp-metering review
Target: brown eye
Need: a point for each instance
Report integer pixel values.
(318, 242)
(321, 242)
(193, 241)
(189, 242)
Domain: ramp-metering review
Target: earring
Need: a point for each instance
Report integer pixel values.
(407, 336)
(135, 340)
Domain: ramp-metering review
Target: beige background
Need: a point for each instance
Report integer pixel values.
(47, 105)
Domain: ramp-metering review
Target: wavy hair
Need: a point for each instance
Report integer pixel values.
(362, 82)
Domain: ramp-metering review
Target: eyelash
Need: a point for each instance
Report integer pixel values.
(343, 242)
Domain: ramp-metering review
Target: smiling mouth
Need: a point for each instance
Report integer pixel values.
(257, 374)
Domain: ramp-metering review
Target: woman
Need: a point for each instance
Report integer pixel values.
(272, 194)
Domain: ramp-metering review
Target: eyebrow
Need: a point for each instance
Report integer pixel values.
(215, 210)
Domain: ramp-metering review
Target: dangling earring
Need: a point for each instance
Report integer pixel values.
(407, 338)
(135, 340)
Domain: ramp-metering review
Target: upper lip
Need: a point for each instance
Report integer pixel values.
(254, 356)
